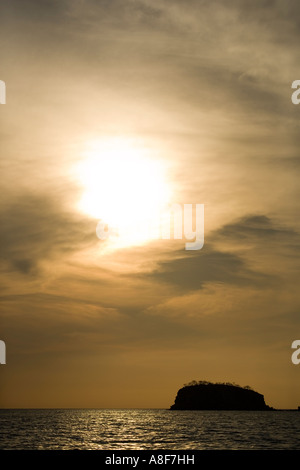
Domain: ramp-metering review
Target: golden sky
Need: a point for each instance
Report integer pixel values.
(112, 109)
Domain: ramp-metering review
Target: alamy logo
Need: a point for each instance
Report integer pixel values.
(296, 95)
(296, 354)
(2, 352)
(178, 219)
(2, 92)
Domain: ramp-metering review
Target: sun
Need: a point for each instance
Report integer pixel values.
(124, 187)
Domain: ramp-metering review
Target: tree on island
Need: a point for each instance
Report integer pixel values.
(205, 382)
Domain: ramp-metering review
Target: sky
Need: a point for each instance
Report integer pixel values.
(113, 107)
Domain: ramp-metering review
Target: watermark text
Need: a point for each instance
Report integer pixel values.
(2, 352)
(296, 95)
(296, 354)
(2, 92)
(182, 222)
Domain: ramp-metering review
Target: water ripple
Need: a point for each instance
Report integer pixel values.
(148, 430)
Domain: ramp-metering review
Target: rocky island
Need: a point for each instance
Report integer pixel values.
(204, 395)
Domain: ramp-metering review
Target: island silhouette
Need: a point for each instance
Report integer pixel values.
(203, 395)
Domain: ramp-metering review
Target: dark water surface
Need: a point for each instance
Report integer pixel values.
(129, 429)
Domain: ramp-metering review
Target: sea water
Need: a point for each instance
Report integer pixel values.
(149, 429)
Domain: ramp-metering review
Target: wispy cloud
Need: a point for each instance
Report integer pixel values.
(35, 228)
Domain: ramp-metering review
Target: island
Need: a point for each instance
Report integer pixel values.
(203, 395)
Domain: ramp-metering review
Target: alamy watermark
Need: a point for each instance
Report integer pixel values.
(178, 220)
(2, 92)
(296, 354)
(2, 352)
(296, 95)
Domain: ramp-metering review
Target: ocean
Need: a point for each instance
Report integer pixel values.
(148, 429)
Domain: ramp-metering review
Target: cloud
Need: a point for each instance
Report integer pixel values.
(35, 228)
(261, 232)
(193, 270)
(237, 254)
